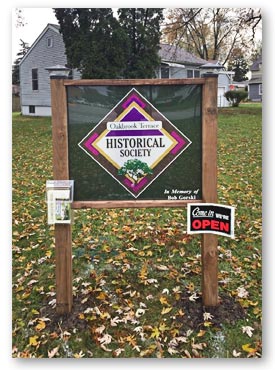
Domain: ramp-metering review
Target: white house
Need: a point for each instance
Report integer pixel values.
(49, 50)
(178, 63)
(35, 92)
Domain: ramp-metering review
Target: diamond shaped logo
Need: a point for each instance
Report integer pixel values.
(134, 143)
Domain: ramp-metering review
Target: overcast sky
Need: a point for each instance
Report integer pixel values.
(35, 20)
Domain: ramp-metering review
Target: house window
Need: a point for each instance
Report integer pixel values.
(260, 89)
(31, 108)
(35, 79)
(49, 42)
(196, 74)
(164, 72)
(193, 73)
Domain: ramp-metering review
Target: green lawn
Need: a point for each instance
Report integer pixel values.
(136, 274)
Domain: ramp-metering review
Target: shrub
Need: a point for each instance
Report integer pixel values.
(235, 96)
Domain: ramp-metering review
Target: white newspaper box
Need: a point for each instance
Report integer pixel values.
(59, 196)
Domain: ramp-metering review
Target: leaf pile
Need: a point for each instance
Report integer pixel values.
(136, 274)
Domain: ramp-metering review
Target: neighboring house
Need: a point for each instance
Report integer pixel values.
(255, 89)
(178, 63)
(49, 50)
(224, 79)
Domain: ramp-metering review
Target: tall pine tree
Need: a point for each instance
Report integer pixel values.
(238, 65)
(94, 41)
(142, 26)
(24, 47)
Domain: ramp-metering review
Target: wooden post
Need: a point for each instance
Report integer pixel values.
(63, 233)
(209, 188)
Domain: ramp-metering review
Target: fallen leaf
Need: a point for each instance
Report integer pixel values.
(163, 300)
(163, 327)
(190, 287)
(66, 335)
(172, 351)
(236, 354)
(155, 333)
(53, 352)
(35, 312)
(100, 329)
(207, 316)
(49, 254)
(41, 325)
(31, 282)
(33, 341)
(166, 310)
(242, 292)
(246, 347)
(248, 330)
(106, 339)
(201, 333)
(193, 297)
(102, 296)
(187, 353)
(115, 321)
(118, 351)
(162, 268)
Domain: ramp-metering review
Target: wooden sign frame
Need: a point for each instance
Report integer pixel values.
(63, 232)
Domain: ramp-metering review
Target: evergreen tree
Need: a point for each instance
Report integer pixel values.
(142, 26)
(94, 41)
(24, 47)
(238, 65)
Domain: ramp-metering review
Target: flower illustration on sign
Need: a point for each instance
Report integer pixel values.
(134, 143)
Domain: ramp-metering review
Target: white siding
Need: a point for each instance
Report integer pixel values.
(223, 80)
(39, 111)
(41, 56)
(223, 86)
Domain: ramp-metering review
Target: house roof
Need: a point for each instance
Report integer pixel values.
(171, 53)
(168, 53)
(256, 64)
(212, 65)
(256, 80)
(52, 26)
(240, 83)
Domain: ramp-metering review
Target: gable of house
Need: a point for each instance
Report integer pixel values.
(47, 50)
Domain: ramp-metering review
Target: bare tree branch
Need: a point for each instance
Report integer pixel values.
(213, 33)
